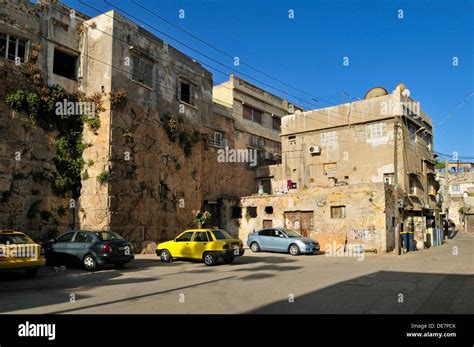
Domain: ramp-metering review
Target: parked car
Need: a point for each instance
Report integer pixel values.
(208, 245)
(281, 240)
(19, 252)
(90, 248)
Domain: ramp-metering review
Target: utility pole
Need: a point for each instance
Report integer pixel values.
(395, 183)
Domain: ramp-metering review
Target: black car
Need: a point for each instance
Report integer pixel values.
(92, 249)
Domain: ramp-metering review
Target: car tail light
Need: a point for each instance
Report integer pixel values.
(106, 248)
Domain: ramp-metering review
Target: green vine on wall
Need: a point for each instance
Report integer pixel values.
(174, 128)
(40, 105)
(54, 109)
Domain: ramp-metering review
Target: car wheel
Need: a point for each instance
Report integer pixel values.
(89, 262)
(229, 260)
(165, 256)
(30, 273)
(294, 249)
(209, 259)
(255, 247)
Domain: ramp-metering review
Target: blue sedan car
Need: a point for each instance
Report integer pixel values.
(281, 240)
(92, 249)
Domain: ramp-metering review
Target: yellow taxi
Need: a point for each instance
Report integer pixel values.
(209, 245)
(19, 252)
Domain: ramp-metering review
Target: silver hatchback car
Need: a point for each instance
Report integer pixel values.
(281, 240)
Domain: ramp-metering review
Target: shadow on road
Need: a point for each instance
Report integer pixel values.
(380, 293)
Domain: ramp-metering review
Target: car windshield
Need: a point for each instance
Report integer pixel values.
(108, 235)
(221, 234)
(17, 239)
(291, 233)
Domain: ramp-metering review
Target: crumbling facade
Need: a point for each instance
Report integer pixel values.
(152, 156)
(457, 188)
(330, 153)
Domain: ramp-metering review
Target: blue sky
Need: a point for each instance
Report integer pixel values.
(307, 52)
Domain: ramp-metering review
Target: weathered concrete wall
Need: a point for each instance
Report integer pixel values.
(350, 156)
(365, 217)
(236, 92)
(96, 72)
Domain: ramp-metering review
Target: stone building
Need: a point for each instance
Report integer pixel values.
(257, 117)
(44, 38)
(153, 158)
(336, 178)
(457, 190)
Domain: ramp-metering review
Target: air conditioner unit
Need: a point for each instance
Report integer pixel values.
(314, 149)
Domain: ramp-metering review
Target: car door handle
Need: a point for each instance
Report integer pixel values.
(205, 243)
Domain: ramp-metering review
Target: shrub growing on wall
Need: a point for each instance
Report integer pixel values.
(41, 105)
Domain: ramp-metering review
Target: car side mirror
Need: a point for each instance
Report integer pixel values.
(55, 240)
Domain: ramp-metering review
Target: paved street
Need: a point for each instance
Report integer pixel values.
(431, 281)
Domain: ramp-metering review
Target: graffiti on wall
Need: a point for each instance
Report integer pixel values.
(365, 234)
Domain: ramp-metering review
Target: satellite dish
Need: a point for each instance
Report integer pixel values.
(375, 92)
(406, 93)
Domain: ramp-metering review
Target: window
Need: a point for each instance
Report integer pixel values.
(236, 212)
(265, 232)
(276, 123)
(252, 211)
(14, 239)
(252, 114)
(376, 130)
(64, 64)
(12, 47)
(269, 209)
(185, 237)
(108, 235)
(217, 139)
(278, 147)
(338, 212)
(412, 131)
(266, 185)
(84, 237)
(66, 238)
(200, 237)
(209, 236)
(455, 188)
(221, 235)
(388, 178)
(186, 92)
(142, 71)
(412, 185)
(328, 139)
